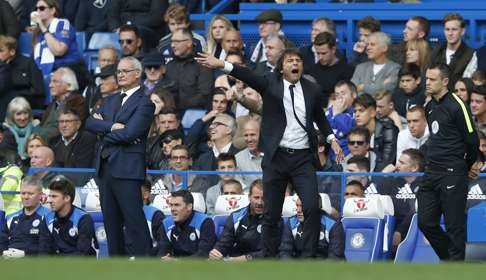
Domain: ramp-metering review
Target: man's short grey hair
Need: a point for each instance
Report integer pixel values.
(331, 26)
(230, 121)
(69, 77)
(33, 181)
(112, 48)
(136, 63)
(383, 38)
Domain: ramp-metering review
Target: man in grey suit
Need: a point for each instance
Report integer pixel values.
(379, 73)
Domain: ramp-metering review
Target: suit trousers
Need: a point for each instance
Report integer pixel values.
(295, 167)
(122, 207)
(444, 194)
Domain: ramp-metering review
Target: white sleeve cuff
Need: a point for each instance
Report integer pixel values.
(330, 138)
(228, 67)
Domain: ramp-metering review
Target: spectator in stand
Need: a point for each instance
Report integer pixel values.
(232, 42)
(92, 16)
(161, 98)
(25, 78)
(410, 91)
(241, 237)
(340, 114)
(154, 69)
(358, 141)
(269, 24)
(65, 92)
(68, 9)
(194, 82)
(7, 140)
(73, 148)
(55, 43)
(169, 139)
(216, 30)
(198, 135)
(417, 51)
(33, 142)
(463, 88)
(107, 55)
(186, 233)
(145, 14)
(417, 132)
(416, 28)
(354, 189)
(274, 47)
(9, 24)
(385, 108)
(383, 131)
(108, 84)
(250, 159)
(319, 25)
(43, 157)
(130, 41)
(361, 164)
(67, 230)
(177, 18)
(460, 58)
(20, 123)
(366, 26)
(478, 107)
(479, 78)
(331, 240)
(226, 81)
(329, 69)
(180, 160)
(379, 73)
(225, 162)
(20, 233)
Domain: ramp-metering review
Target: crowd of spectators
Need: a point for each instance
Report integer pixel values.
(374, 104)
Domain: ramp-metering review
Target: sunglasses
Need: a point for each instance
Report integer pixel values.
(41, 8)
(127, 41)
(354, 143)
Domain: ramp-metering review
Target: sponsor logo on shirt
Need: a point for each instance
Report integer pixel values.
(476, 193)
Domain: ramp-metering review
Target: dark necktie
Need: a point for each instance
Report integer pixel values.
(291, 89)
(120, 101)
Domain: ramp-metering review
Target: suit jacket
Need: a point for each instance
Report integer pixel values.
(363, 74)
(270, 86)
(127, 145)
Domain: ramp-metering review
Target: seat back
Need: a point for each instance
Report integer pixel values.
(415, 247)
(102, 39)
(92, 201)
(225, 204)
(476, 223)
(81, 41)
(219, 222)
(100, 233)
(326, 203)
(289, 208)
(199, 203)
(25, 44)
(364, 239)
(369, 207)
(162, 202)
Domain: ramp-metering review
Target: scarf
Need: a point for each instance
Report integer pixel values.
(21, 134)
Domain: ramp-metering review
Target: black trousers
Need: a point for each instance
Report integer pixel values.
(122, 207)
(296, 168)
(444, 194)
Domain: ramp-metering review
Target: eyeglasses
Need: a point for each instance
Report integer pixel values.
(41, 8)
(354, 143)
(66, 121)
(127, 41)
(179, 158)
(218, 124)
(125, 71)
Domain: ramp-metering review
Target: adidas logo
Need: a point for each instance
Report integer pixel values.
(476, 193)
(371, 189)
(159, 188)
(405, 192)
(91, 186)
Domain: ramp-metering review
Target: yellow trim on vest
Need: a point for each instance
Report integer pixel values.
(464, 111)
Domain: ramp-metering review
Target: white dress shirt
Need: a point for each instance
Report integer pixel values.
(129, 93)
(294, 136)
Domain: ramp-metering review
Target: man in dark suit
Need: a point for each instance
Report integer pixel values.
(122, 123)
(291, 105)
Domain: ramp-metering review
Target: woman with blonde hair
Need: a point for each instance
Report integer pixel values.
(20, 123)
(217, 28)
(418, 51)
(33, 142)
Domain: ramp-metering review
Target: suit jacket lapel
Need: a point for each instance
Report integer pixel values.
(133, 99)
(308, 102)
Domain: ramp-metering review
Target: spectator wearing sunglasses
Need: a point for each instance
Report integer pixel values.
(154, 69)
(130, 41)
(359, 145)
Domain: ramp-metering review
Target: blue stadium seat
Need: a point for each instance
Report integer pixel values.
(364, 239)
(102, 39)
(25, 44)
(2, 218)
(415, 247)
(476, 237)
(100, 234)
(81, 41)
(190, 116)
(219, 222)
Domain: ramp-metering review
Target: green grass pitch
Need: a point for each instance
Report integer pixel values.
(147, 269)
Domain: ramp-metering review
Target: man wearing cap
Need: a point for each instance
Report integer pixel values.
(269, 24)
(154, 69)
(108, 85)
